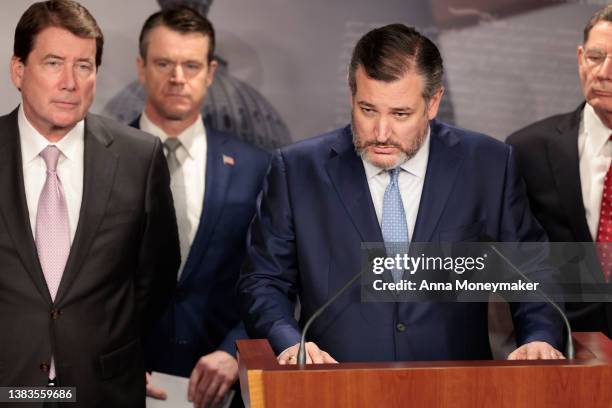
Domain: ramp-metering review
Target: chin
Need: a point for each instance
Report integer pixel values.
(64, 121)
(173, 113)
(601, 104)
(385, 162)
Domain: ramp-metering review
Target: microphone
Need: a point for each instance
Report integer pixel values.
(301, 357)
(569, 349)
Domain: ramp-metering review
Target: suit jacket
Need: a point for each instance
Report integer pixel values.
(203, 315)
(547, 153)
(122, 262)
(316, 210)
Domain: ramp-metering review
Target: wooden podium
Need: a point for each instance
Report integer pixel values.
(583, 382)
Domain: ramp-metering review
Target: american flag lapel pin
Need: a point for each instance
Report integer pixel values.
(228, 160)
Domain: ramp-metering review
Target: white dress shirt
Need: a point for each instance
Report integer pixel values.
(192, 156)
(410, 182)
(69, 168)
(595, 155)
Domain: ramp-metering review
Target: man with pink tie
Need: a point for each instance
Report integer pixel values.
(88, 237)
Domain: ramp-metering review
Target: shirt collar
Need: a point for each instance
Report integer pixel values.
(187, 136)
(597, 133)
(32, 142)
(416, 166)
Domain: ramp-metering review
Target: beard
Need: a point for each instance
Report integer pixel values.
(405, 153)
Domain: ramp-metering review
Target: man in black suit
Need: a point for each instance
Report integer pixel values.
(565, 160)
(215, 182)
(88, 238)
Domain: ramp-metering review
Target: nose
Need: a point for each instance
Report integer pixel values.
(68, 82)
(382, 129)
(605, 69)
(178, 75)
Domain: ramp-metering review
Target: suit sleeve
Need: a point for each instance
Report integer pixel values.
(533, 321)
(261, 163)
(269, 280)
(229, 342)
(159, 254)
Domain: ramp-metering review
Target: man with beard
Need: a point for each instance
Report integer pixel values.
(565, 160)
(394, 175)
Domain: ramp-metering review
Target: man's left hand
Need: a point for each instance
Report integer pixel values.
(211, 378)
(536, 350)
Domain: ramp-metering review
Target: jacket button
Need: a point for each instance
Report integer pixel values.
(400, 327)
(55, 314)
(44, 367)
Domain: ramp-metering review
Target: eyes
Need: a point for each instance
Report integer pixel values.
(371, 112)
(189, 68)
(594, 57)
(56, 65)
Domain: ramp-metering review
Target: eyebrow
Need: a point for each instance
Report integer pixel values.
(365, 104)
(88, 60)
(398, 109)
(402, 109)
(191, 60)
(53, 56)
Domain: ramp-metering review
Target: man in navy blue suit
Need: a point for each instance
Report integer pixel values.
(215, 180)
(325, 196)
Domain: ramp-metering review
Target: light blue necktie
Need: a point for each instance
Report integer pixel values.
(394, 226)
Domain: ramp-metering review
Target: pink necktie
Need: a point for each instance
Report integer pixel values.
(52, 228)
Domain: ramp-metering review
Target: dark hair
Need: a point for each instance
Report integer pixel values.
(604, 14)
(388, 53)
(182, 19)
(66, 14)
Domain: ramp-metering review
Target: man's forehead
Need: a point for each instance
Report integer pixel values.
(410, 84)
(163, 40)
(600, 35)
(61, 42)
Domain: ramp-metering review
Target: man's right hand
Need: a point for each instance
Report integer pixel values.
(153, 392)
(313, 355)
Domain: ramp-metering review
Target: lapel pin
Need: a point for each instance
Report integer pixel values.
(228, 160)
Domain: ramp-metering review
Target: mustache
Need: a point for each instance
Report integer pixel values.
(389, 143)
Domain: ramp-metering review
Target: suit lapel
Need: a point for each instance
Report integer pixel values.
(98, 176)
(347, 174)
(442, 169)
(13, 205)
(218, 179)
(564, 162)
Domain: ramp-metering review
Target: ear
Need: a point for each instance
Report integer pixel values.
(434, 103)
(580, 55)
(210, 75)
(17, 68)
(140, 65)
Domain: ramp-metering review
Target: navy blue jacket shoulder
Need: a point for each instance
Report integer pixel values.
(203, 315)
(316, 210)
